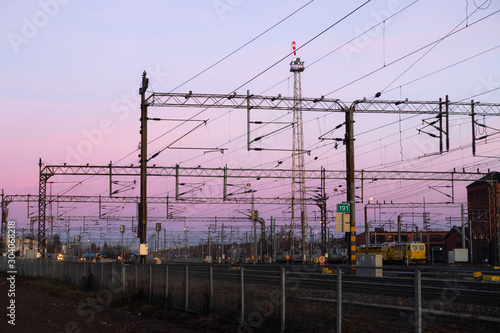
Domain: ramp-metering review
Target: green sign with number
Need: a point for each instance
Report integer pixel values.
(343, 208)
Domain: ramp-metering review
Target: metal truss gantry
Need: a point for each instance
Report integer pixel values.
(440, 109)
(48, 171)
(258, 102)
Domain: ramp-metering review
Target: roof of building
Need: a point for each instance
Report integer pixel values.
(458, 231)
(495, 175)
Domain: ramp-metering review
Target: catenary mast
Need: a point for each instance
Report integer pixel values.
(298, 204)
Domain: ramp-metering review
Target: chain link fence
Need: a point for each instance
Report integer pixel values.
(298, 298)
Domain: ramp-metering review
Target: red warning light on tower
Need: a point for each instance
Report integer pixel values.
(294, 48)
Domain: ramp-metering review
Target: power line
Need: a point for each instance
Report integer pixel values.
(428, 51)
(408, 55)
(302, 46)
(442, 69)
(241, 47)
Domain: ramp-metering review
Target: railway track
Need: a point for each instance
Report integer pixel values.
(461, 290)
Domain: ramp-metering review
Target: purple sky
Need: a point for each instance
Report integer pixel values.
(71, 72)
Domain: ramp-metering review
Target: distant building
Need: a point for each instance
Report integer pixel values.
(483, 204)
(453, 240)
(22, 245)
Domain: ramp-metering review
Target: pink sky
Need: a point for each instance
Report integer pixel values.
(71, 73)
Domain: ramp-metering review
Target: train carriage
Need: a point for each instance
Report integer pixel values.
(402, 253)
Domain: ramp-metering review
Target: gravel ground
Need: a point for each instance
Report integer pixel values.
(43, 305)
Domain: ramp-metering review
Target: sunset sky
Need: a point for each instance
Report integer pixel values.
(71, 71)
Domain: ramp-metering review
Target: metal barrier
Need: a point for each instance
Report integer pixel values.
(298, 298)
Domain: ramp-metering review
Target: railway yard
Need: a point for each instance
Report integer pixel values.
(298, 298)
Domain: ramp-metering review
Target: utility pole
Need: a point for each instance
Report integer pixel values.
(142, 228)
(254, 217)
(463, 225)
(208, 242)
(51, 217)
(79, 237)
(322, 206)
(67, 240)
(222, 241)
(42, 204)
(350, 187)
(122, 231)
(273, 240)
(22, 244)
(185, 241)
(3, 227)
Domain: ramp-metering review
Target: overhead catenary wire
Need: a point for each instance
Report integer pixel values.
(343, 45)
(269, 162)
(221, 60)
(408, 55)
(427, 52)
(444, 68)
(287, 55)
(302, 46)
(469, 58)
(241, 47)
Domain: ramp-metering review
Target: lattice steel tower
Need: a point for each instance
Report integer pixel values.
(298, 207)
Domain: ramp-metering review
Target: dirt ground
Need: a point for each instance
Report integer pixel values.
(43, 305)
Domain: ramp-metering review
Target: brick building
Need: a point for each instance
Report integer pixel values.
(483, 206)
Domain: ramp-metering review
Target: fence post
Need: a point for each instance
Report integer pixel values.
(166, 285)
(211, 287)
(418, 301)
(187, 290)
(150, 282)
(282, 314)
(339, 299)
(242, 296)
